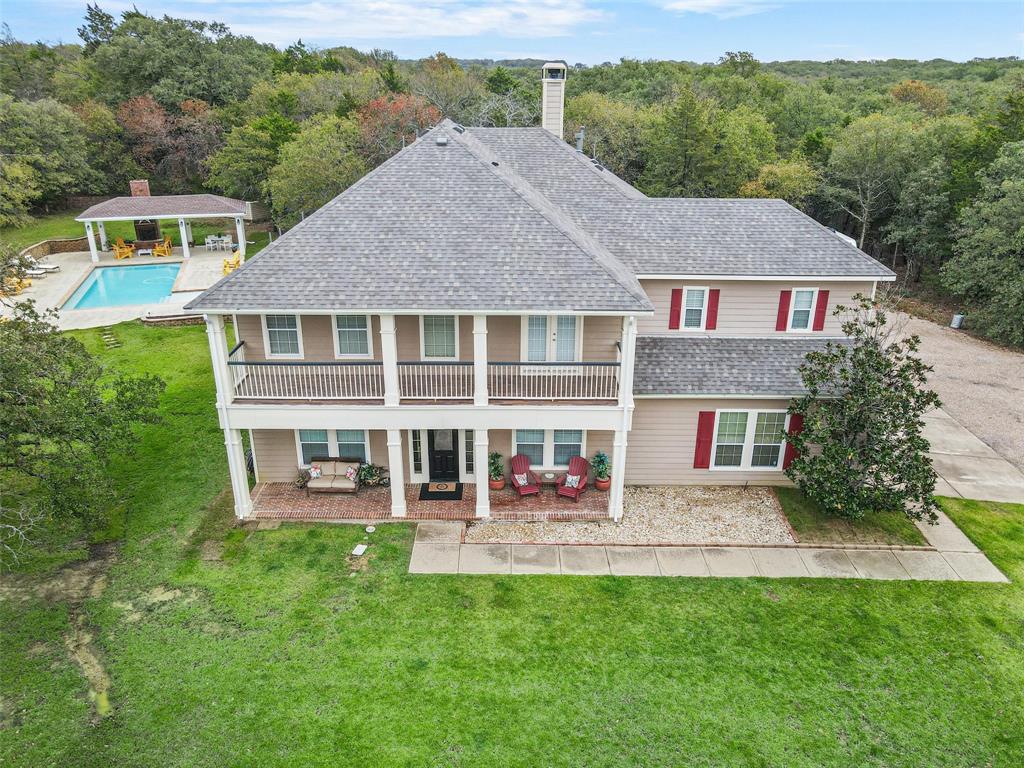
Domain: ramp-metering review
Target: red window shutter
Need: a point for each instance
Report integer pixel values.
(712, 321)
(819, 311)
(783, 318)
(796, 426)
(675, 309)
(705, 433)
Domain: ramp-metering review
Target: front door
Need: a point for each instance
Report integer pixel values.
(443, 453)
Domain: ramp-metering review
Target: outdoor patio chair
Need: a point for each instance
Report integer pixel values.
(164, 248)
(122, 250)
(36, 264)
(521, 468)
(578, 467)
(230, 265)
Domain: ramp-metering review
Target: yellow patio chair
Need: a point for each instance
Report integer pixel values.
(164, 248)
(122, 250)
(230, 265)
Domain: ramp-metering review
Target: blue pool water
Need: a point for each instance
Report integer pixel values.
(118, 286)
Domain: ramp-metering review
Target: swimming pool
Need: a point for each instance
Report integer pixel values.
(121, 286)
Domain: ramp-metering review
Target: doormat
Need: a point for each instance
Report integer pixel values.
(443, 491)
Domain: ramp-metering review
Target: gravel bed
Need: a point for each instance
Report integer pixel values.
(662, 515)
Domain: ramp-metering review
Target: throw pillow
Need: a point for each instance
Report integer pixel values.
(351, 472)
(572, 481)
(315, 471)
(522, 479)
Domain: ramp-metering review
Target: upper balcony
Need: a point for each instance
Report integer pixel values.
(287, 361)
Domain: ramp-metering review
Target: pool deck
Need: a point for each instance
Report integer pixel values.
(197, 274)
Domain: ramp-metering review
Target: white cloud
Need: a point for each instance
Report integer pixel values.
(723, 9)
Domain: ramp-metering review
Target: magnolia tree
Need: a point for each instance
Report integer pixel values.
(861, 450)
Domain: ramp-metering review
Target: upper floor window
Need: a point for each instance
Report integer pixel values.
(695, 304)
(282, 334)
(749, 440)
(802, 309)
(554, 339)
(352, 336)
(440, 337)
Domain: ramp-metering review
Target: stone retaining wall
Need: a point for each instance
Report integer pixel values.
(49, 247)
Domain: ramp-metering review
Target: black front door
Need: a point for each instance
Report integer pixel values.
(442, 453)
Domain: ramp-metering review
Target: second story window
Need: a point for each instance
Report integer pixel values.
(353, 336)
(803, 307)
(282, 336)
(440, 337)
(695, 303)
(551, 339)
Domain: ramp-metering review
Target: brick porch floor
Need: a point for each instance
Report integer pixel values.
(283, 501)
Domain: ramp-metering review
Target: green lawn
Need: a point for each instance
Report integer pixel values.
(812, 526)
(284, 654)
(63, 225)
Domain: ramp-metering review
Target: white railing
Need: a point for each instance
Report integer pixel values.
(334, 380)
(435, 381)
(553, 381)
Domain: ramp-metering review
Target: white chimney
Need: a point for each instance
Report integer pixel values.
(552, 100)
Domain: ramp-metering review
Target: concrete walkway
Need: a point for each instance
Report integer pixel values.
(439, 549)
(966, 466)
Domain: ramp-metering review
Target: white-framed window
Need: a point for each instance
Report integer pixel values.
(416, 446)
(801, 309)
(469, 450)
(282, 335)
(552, 339)
(352, 337)
(695, 308)
(334, 443)
(439, 337)
(749, 439)
(549, 448)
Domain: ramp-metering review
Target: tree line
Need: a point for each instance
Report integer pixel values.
(921, 162)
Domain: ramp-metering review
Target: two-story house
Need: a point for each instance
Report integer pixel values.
(494, 289)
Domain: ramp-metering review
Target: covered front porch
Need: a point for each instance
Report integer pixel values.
(283, 501)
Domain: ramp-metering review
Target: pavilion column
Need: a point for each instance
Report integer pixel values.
(240, 233)
(483, 492)
(396, 469)
(389, 359)
(104, 245)
(188, 229)
(89, 233)
(480, 360)
(183, 231)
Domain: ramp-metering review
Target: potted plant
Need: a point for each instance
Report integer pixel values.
(601, 467)
(495, 471)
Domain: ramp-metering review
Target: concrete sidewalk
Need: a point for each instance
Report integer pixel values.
(966, 466)
(439, 549)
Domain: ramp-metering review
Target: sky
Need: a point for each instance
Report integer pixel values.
(587, 31)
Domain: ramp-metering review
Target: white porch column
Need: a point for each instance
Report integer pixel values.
(626, 361)
(626, 367)
(240, 233)
(480, 361)
(396, 468)
(183, 231)
(239, 475)
(618, 475)
(389, 357)
(483, 492)
(232, 437)
(104, 246)
(92, 242)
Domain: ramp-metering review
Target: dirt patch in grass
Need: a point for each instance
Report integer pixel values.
(812, 526)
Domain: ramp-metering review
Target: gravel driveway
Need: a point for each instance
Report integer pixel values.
(981, 385)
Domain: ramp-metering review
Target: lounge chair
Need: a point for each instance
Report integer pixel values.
(36, 264)
(163, 249)
(123, 250)
(521, 472)
(578, 467)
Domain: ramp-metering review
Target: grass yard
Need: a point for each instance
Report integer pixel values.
(63, 225)
(283, 653)
(812, 526)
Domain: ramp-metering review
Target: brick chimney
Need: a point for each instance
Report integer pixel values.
(139, 187)
(553, 96)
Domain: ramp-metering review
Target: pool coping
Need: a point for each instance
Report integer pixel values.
(93, 267)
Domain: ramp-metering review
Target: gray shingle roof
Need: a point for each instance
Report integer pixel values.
(434, 228)
(709, 365)
(677, 236)
(165, 206)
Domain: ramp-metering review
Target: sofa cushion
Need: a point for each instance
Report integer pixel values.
(340, 481)
(320, 482)
(329, 468)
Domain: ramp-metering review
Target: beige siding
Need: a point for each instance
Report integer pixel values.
(317, 336)
(745, 308)
(599, 337)
(276, 458)
(504, 338)
(662, 441)
(599, 440)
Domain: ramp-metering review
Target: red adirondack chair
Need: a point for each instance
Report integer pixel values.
(577, 466)
(521, 466)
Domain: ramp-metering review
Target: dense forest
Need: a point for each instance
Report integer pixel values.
(921, 162)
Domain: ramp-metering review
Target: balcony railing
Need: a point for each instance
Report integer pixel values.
(300, 380)
(553, 381)
(435, 380)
